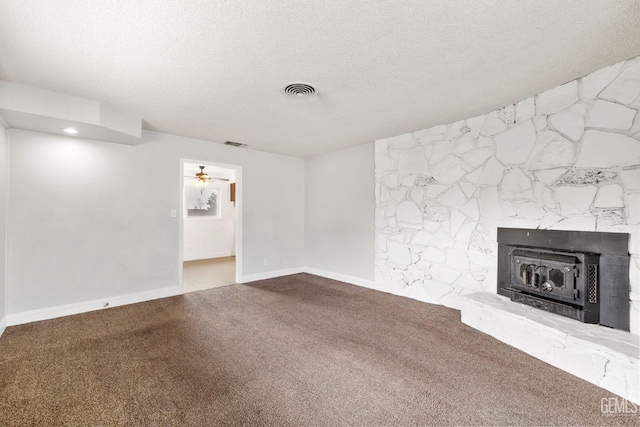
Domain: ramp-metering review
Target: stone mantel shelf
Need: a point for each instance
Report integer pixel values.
(605, 357)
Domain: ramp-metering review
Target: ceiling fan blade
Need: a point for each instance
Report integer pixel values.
(207, 178)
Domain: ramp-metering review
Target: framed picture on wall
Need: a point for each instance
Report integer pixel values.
(203, 203)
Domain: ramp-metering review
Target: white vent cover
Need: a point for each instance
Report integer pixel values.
(299, 90)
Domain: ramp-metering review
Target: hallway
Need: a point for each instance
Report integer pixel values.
(208, 273)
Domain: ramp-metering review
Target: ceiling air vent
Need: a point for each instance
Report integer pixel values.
(234, 144)
(299, 90)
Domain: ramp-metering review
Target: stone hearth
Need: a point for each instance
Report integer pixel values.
(605, 357)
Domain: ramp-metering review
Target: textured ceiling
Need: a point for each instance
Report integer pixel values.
(214, 69)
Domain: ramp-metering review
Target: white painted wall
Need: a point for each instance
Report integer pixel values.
(340, 202)
(211, 238)
(4, 186)
(91, 220)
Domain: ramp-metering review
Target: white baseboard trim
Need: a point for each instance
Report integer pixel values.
(85, 306)
(115, 301)
(271, 274)
(341, 277)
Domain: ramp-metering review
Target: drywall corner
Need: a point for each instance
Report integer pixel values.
(4, 201)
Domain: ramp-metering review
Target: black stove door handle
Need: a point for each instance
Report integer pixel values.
(535, 280)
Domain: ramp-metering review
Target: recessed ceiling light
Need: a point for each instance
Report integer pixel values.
(69, 131)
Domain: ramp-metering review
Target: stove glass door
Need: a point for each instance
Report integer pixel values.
(553, 276)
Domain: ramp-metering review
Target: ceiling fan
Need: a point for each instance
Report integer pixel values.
(203, 178)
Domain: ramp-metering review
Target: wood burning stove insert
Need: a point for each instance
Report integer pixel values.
(581, 275)
(560, 282)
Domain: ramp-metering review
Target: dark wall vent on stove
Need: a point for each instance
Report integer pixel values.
(592, 279)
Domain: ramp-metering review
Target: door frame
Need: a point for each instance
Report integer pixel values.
(237, 219)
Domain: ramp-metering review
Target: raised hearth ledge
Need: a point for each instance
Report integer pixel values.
(608, 358)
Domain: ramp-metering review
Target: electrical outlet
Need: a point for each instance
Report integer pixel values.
(266, 261)
(174, 213)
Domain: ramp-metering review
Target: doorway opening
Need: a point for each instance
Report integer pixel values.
(210, 225)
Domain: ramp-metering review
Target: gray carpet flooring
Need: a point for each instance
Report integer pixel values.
(296, 350)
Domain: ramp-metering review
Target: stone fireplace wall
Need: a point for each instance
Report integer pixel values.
(566, 159)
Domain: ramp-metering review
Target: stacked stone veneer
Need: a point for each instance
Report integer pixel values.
(566, 159)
